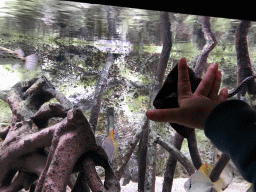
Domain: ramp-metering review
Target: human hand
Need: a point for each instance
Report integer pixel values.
(193, 107)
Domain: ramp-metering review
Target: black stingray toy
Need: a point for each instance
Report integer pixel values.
(167, 97)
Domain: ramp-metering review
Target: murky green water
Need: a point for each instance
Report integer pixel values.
(71, 40)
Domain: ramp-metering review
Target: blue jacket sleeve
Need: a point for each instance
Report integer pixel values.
(231, 128)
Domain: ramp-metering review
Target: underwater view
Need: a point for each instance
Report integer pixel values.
(78, 78)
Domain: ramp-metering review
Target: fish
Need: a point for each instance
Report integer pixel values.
(16, 58)
(110, 146)
(200, 180)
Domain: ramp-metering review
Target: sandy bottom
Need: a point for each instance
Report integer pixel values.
(178, 186)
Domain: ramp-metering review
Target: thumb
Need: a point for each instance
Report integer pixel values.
(164, 115)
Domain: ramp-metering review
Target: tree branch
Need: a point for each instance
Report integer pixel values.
(71, 141)
(178, 155)
(171, 164)
(219, 167)
(211, 42)
(131, 146)
(194, 153)
(164, 57)
(243, 59)
(100, 87)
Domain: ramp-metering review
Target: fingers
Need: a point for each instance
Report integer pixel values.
(223, 96)
(215, 87)
(184, 87)
(193, 114)
(207, 82)
(164, 115)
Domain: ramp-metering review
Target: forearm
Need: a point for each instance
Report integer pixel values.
(231, 128)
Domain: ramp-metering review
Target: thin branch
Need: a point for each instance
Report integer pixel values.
(171, 164)
(219, 167)
(100, 88)
(46, 112)
(91, 176)
(194, 153)
(177, 154)
(131, 146)
(210, 44)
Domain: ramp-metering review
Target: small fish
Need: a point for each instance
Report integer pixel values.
(15, 58)
(200, 180)
(110, 146)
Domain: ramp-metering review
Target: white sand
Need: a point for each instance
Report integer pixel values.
(178, 186)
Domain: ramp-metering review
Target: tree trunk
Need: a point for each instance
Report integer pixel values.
(210, 44)
(150, 174)
(149, 184)
(72, 143)
(131, 146)
(111, 17)
(167, 46)
(243, 59)
(110, 119)
(197, 36)
(81, 185)
(102, 81)
(171, 164)
(219, 166)
(142, 156)
(177, 155)
(194, 153)
(99, 90)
